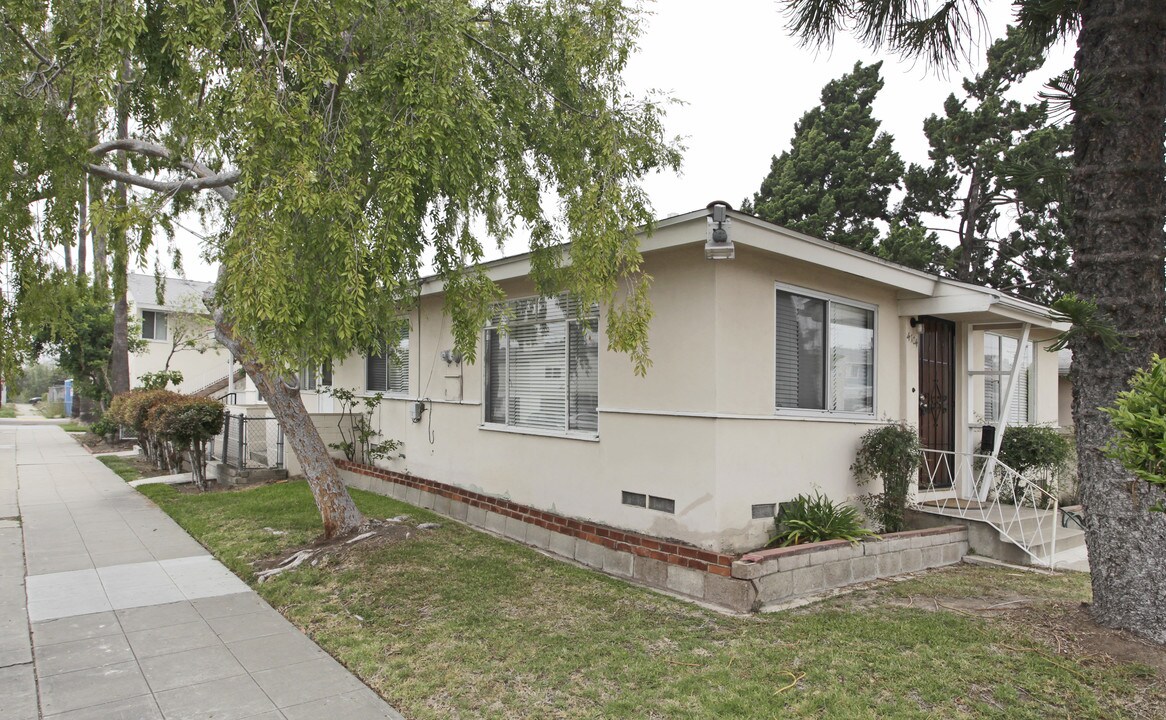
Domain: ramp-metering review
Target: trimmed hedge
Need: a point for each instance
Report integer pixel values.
(171, 427)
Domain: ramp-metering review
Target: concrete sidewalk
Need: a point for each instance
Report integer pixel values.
(109, 610)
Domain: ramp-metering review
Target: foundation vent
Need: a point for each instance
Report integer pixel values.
(636, 499)
(764, 511)
(667, 505)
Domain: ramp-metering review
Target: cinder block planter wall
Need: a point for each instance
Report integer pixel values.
(743, 584)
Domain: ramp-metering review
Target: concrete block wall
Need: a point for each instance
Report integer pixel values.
(744, 584)
(779, 575)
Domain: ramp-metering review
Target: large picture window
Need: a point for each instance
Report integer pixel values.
(542, 365)
(387, 370)
(824, 354)
(999, 352)
(153, 325)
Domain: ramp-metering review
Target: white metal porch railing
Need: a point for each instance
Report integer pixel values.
(980, 487)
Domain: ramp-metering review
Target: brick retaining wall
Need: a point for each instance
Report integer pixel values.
(743, 584)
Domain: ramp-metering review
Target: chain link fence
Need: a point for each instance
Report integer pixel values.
(248, 443)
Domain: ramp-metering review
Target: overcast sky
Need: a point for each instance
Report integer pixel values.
(745, 83)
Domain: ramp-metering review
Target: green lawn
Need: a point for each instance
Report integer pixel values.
(73, 427)
(122, 466)
(456, 623)
(8, 411)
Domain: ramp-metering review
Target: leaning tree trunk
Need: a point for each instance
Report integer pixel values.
(337, 509)
(1119, 196)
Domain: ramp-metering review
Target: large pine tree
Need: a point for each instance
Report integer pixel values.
(836, 179)
(998, 162)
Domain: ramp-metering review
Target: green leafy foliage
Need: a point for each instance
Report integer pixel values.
(1043, 456)
(890, 454)
(160, 379)
(104, 427)
(836, 179)
(1028, 447)
(990, 154)
(807, 519)
(187, 425)
(1139, 417)
(357, 434)
(348, 145)
(1087, 321)
(170, 427)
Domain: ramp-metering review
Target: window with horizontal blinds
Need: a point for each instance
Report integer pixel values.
(542, 365)
(999, 352)
(824, 354)
(388, 369)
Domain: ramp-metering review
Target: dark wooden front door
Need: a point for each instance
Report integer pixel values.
(937, 400)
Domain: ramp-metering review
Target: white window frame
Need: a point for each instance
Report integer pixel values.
(312, 378)
(1001, 377)
(829, 298)
(500, 326)
(406, 335)
(154, 325)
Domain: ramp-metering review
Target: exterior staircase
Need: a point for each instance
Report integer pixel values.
(1009, 517)
(1020, 535)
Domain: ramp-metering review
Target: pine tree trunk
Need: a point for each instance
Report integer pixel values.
(336, 507)
(1119, 195)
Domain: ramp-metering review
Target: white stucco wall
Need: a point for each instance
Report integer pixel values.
(198, 369)
(700, 428)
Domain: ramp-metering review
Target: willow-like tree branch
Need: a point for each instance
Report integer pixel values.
(206, 179)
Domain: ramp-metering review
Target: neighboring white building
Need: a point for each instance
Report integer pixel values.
(766, 370)
(177, 330)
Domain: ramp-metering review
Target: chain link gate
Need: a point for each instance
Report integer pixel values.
(249, 443)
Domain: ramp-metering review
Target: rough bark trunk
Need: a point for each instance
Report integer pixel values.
(336, 507)
(100, 263)
(1119, 195)
(82, 233)
(119, 351)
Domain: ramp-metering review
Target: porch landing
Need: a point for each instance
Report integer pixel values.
(1015, 534)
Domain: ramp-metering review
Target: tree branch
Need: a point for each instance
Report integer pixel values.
(215, 182)
(207, 179)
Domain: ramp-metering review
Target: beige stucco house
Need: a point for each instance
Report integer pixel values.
(767, 368)
(177, 331)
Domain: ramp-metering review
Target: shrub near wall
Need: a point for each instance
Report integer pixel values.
(170, 427)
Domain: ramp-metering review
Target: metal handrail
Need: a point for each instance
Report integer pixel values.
(1014, 505)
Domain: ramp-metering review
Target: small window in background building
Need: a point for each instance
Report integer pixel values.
(637, 499)
(153, 325)
(764, 511)
(667, 505)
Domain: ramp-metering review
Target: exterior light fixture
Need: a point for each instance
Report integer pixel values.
(717, 245)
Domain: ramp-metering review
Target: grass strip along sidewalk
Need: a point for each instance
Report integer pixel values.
(122, 466)
(455, 623)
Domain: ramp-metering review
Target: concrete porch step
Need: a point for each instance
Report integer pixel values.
(1016, 537)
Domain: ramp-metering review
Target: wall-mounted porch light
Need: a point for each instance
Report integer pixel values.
(717, 245)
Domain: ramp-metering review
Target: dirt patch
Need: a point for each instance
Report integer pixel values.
(1067, 628)
(1072, 630)
(372, 534)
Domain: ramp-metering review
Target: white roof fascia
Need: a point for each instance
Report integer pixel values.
(827, 254)
(941, 305)
(933, 295)
(517, 266)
